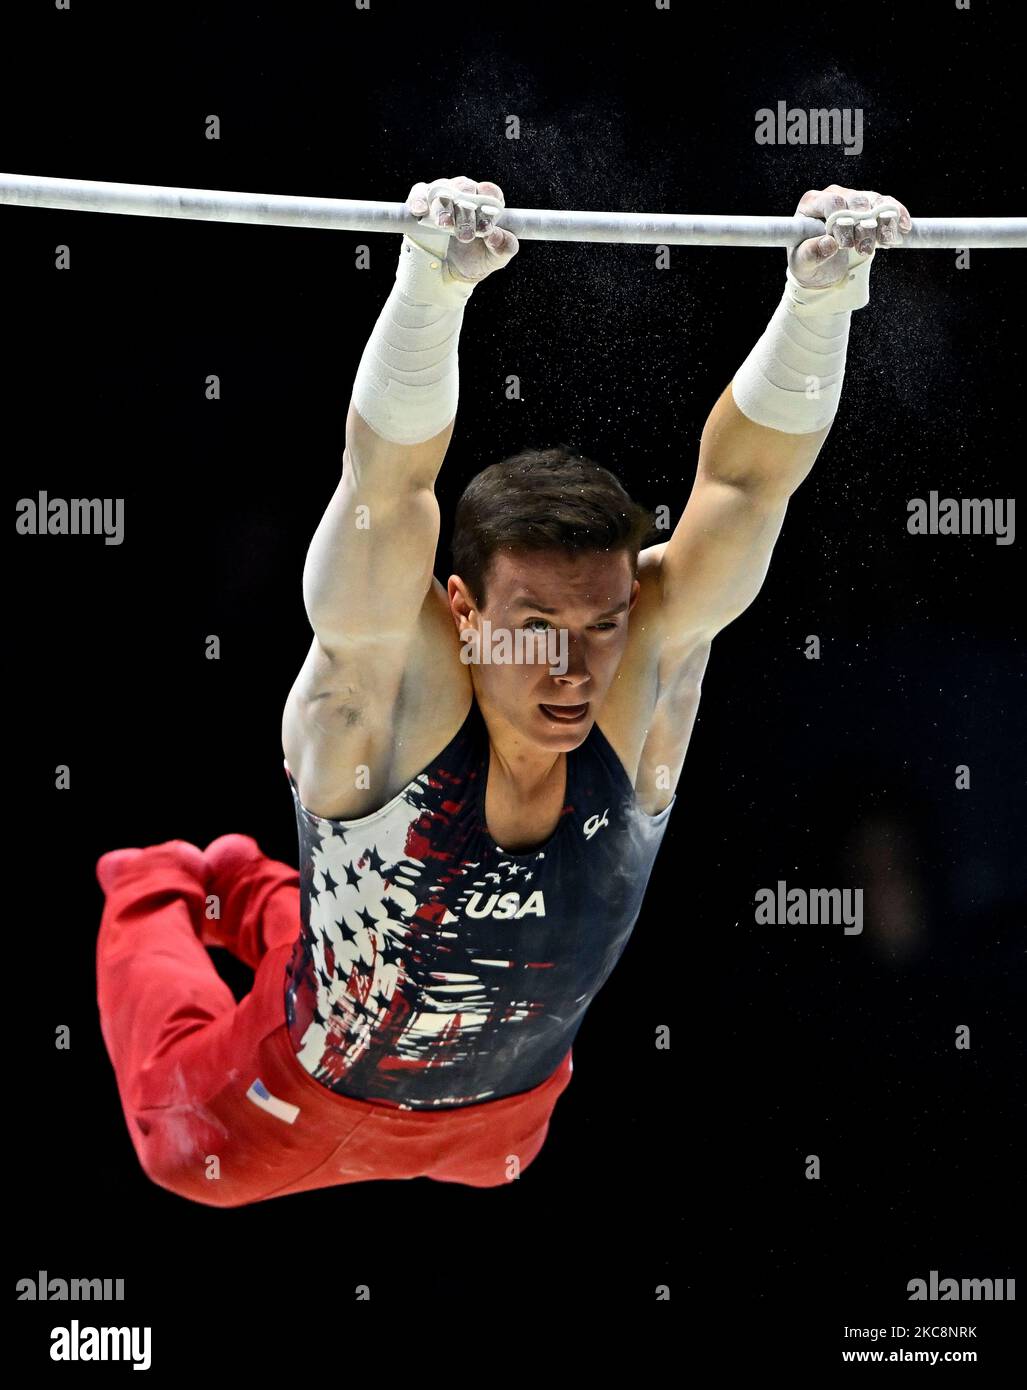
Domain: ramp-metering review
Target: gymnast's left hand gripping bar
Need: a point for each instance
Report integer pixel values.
(538, 224)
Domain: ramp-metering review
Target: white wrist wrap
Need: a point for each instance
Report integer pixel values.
(792, 379)
(407, 383)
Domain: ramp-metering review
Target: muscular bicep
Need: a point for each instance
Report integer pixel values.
(367, 581)
(370, 562)
(717, 558)
(354, 724)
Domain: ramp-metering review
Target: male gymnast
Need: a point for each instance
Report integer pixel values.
(476, 831)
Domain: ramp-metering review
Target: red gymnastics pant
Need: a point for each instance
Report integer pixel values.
(218, 1106)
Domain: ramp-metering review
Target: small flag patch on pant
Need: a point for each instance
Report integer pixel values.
(260, 1095)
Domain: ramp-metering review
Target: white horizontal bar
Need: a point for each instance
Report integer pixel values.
(533, 224)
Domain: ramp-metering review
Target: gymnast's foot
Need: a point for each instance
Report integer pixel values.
(227, 857)
(230, 859)
(116, 863)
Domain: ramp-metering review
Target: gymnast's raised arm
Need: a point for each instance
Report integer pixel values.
(369, 565)
(766, 430)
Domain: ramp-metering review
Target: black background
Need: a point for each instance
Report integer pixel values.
(684, 1167)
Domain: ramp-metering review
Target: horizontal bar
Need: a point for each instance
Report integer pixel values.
(533, 224)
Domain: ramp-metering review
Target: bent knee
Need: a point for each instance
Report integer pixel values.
(196, 1183)
(173, 1156)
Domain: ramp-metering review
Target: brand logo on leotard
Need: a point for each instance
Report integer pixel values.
(595, 823)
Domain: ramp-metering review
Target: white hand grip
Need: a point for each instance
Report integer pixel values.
(443, 188)
(851, 217)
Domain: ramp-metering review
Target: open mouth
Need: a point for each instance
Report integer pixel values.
(565, 714)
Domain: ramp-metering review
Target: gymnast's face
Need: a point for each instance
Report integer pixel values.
(575, 607)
